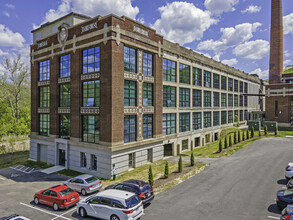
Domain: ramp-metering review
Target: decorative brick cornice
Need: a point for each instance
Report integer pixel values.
(89, 110)
(129, 110)
(44, 83)
(131, 76)
(63, 110)
(90, 76)
(149, 109)
(43, 110)
(64, 80)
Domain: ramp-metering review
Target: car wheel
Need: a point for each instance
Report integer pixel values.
(114, 217)
(55, 207)
(82, 212)
(36, 200)
(83, 192)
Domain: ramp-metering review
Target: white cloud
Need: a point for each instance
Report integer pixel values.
(251, 9)
(218, 7)
(288, 24)
(92, 8)
(182, 22)
(263, 74)
(9, 38)
(287, 62)
(2, 53)
(231, 37)
(230, 62)
(254, 50)
(217, 57)
(9, 6)
(287, 53)
(6, 13)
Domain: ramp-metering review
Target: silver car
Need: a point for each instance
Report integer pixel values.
(111, 204)
(84, 184)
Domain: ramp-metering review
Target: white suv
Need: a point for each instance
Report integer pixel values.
(111, 204)
(289, 171)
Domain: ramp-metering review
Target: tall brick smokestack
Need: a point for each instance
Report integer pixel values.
(276, 44)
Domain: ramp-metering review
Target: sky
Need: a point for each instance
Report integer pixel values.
(234, 32)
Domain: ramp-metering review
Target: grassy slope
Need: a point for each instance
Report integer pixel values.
(290, 70)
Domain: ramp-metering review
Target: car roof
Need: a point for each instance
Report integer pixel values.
(140, 183)
(58, 188)
(116, 194)
(83, 176)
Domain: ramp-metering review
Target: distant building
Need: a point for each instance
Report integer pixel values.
(109, 90)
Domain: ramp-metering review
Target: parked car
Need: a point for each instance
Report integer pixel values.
(287, 213)
(84, 184)
(14, 217)
(139, 187)
(284, 197)
(290, 184)
(289, 171)
(59, 197)
(111, 204)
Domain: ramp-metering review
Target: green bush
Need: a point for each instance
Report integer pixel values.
(151, 177)
(247, 134)
(166, 173)
(192, 159)
(220, 146)
(235, 138)
(239, 137)
(259, 132)
(276, 129)
(226, 142)
(243, 135)
(230, 140)
(266, 130)
(252, 131)
(180, 165)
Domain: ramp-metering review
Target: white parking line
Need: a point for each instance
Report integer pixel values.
(64, 214)
(50, 213)
(284, 187)
(273, 217)
(2, 178)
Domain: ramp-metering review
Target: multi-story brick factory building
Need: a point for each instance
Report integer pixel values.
(109, 90)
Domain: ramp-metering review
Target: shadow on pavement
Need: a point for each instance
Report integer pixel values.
(273, 208)
(282, 181)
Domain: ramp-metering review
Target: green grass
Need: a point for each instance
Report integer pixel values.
(37, 164)
(12, 159)
(290, 70)
(70, 173)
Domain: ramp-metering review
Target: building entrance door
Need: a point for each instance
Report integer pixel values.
(168, 150)
(61, 157)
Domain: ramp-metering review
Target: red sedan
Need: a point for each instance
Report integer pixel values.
(59, 197)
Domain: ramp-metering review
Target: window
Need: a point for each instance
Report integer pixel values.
(45, 97)
(147, 94)
(207, 99)
(245, 114)
(93, 162)
(82, 159)
(185, 144)
(169, 123)
(245, 101)
(276, 109)
(129, 93)
(245, 87)
(64, 65)
(169, 96)
(64, 96)
(223, 83)
(196, 98)
(230, 84)
(131, 158)
(216, 97)
(216, 81)
(235, 100)
(118, 205)
(196, 120)
(223, 99)
(44, 124)
(105, 201)
(129, 59)
(236, 113)
(216, 118)
(129, 128)
(235, 85)
(91, 93)
(207, 79)
(184, 97)
(197, 76)
(241, 86)
(147, 126)
(207, 119)
(91, 128)
(230, 100)
(64, 131)
(241, 115)
(230, 117)
(94, 200)
(184, 73)
(147, 64)
(184, 122)
(44, 70)
(223, 117)
(91, 60)
(169, 70)
(241, 100)
(150, 155)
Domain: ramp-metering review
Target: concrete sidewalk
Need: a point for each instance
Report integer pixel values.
(53, 169)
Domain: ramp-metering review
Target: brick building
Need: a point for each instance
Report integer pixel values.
(109, 90)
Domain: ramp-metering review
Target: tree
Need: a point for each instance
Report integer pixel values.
(276, 129)
(266, 130)
(243, 135)
(166, 173)
(235, 138)
(220, 146)
(14, 82)
(180, 165)
(226, 142)
(192, 159)
(259, 132)
(239, 137)
(151, 177)
(252, 131)
(230, 140)
(247, 134)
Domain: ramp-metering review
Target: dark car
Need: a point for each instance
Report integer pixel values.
(139, 187)
(290, 184)
(287, 213)
(284, 197)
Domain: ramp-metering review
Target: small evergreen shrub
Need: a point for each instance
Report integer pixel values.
(220, 146)
(252, 131)
(226, 142)
(230, 140)
(151, 177)
(166, 173)
(266, 130)
(276, 130)
(180, 165)
(192, 160)
(239, 137)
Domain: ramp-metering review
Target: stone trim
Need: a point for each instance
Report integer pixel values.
(43, 110)
(44, 83)
(148, 109)
(64, 110)
(64, 80)
(131, 76)
(130, 110)
(89, 110)
(90, 76)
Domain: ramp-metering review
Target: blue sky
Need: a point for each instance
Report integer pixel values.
(235, 32)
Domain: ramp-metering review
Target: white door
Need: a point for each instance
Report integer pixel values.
(43, 153)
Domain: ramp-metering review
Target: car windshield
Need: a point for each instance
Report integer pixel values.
(65, 192)
(91, 179)
(288, 192)
(133, 201)
(146, 188)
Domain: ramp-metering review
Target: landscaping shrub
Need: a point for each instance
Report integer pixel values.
(276, 129)
(180, 165)
(266, 130)
(259, 132)
(220, 146)
(226, 142)
(230, 140)
(151, 177)
(247, 134)
(239, 137)
(166, 173)
(235, 138)
(252, 131)
(243, 135)
(192, 159)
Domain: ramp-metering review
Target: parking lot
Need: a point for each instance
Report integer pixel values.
(242, 186)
